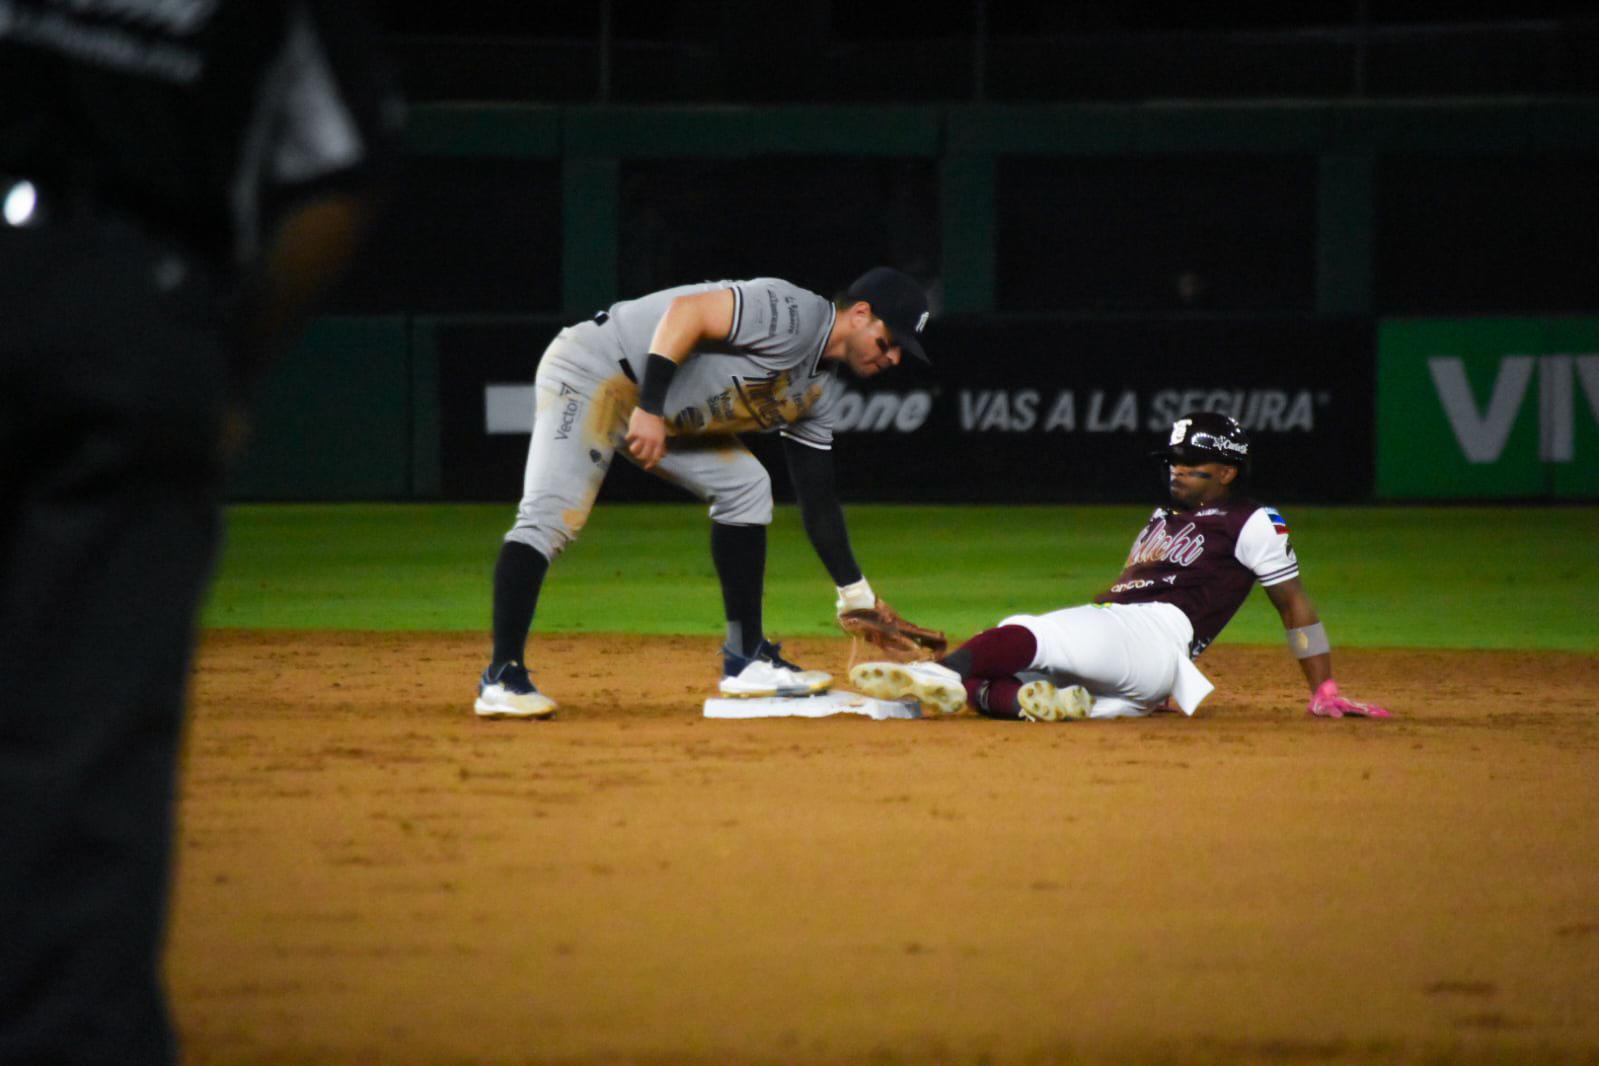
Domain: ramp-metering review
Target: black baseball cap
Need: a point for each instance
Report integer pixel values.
(899, 301)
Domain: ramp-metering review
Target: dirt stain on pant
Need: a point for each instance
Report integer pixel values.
(604, 431)
(613, 405)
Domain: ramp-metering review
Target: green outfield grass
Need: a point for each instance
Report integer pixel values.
(1481, 577)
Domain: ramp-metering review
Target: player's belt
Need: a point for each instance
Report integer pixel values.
(602, 317)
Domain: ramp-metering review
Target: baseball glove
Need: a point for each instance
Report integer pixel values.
(882, 627)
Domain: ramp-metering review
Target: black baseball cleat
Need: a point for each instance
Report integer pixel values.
(506, 691)
(767, 673)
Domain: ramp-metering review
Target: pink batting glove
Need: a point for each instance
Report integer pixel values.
(1328, 703)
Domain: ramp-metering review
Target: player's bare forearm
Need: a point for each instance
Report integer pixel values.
(1310, 647)
(1297, 612)
(691, 320)
(1317, 669)
(688, 321)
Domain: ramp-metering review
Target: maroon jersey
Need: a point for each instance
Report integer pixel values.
(1204, 562)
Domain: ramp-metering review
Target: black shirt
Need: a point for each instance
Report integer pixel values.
(202, 116)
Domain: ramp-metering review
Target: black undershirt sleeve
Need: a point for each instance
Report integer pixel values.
(811, 470)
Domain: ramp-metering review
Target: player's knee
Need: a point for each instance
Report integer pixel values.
(542, 538)
(749, 504)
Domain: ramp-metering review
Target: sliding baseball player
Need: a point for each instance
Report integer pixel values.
(1132, 649)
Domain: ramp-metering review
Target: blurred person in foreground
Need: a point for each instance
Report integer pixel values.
(179, 181)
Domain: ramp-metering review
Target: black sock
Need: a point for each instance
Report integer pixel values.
(739, 553)
(960, 661)
(518, 574)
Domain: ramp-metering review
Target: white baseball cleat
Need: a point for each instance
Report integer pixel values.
(930, 684)
(1040, 701)
(767, 673)
(508, 692)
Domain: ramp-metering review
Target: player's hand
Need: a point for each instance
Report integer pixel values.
(646, 437)
(1328, 702)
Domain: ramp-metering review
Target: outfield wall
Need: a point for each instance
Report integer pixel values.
(1488, 408)
(1016, 408)
(1390, 293)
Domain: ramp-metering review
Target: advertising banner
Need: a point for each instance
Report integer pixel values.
(1476, 408)
(1014, 409)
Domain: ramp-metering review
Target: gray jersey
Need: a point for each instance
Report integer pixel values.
(768, 374)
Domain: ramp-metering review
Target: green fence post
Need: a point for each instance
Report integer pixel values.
(590, 221)
(426, 419)
(968, 230)
(1345, 235)
(334, 418)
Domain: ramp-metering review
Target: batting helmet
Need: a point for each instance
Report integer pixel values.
(1207, 437)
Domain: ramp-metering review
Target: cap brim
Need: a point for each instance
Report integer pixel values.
(910, 342)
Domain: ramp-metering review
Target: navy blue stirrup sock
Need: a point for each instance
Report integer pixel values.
(518, 575)
(739, 553)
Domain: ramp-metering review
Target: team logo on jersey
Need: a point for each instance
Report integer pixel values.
(1277, 521)
(1158, 544)
(774, 400)
(762, 399)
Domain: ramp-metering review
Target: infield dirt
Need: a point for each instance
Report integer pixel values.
(366, 873)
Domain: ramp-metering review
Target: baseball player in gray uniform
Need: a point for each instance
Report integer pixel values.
(1132, 649)
(670, 378)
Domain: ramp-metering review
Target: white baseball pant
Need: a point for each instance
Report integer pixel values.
(1130, 657)
(582, 402)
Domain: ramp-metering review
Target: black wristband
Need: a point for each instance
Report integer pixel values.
(658, 371)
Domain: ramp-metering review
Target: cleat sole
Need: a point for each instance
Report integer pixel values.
(1041, 701)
